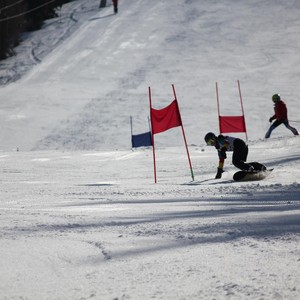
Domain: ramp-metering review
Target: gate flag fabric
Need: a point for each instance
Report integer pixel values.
(165, 118)
(141, 140)
(232, 124)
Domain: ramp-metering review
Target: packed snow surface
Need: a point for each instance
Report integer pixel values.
(80, 214)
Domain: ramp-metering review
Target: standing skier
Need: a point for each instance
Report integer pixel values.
(115, 4)
(228, 143)
(280, 116)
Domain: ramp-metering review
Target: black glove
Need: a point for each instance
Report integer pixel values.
(219, 173)
(271, 119)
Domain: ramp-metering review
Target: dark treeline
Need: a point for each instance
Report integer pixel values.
(17, 16)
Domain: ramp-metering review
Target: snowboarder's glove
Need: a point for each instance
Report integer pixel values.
(219, 173)
(271, 119)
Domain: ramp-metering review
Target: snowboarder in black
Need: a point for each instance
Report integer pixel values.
(228, 143)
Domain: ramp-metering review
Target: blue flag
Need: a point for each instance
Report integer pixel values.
(141, 140)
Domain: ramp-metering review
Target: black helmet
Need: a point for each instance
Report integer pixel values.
(276, 97)
(209, 136)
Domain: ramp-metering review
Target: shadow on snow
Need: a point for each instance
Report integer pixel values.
(216, 220)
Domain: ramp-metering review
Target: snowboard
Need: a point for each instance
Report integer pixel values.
(251, 176)
(260, 172)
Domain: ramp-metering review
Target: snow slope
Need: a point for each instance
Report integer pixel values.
(80, 216)
(100, 75)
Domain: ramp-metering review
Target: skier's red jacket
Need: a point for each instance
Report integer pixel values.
(280, 111)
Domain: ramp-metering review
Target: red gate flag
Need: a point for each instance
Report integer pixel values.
(165, 118)
(232, 124)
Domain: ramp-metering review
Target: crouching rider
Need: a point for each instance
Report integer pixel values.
(232, 144)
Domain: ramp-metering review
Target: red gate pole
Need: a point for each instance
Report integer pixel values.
(242, 108)
(186, 147)
(153, 149)
(218, 104)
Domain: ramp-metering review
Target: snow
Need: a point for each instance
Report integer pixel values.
(80, 215)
